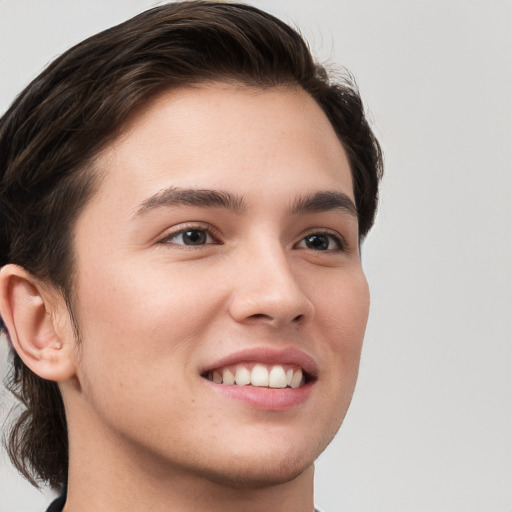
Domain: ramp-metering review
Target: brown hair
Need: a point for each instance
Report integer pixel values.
(75, 107)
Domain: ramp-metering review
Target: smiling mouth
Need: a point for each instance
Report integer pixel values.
(275, 376)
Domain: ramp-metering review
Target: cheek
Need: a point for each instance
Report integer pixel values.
(146, 319)
(139, 336)
(342, 315)
(344, 306)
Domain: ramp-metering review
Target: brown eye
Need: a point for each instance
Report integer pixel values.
(190, 237)
(321, 242)
(194, 237)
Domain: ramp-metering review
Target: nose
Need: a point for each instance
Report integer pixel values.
(266, 291)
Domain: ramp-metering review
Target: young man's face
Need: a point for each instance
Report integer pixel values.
(221, 240)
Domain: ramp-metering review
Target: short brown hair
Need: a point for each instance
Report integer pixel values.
(77, 105)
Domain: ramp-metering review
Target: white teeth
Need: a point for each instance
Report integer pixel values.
(259, 376)
(243, 376)
(228, 378)
(277, 377)
(297, 379)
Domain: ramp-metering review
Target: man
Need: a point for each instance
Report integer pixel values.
(183, 198)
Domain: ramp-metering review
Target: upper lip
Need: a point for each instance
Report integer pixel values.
(267, 355)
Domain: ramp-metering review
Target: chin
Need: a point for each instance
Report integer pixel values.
(270, 467)
(248, 475)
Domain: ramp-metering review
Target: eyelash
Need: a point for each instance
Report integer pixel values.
(209, 232)
(336, 238)
(168, 239)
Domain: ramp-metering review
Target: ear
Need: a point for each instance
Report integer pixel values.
(33, 315)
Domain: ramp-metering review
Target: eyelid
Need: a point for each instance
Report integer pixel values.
(337, 237)
(190, 226)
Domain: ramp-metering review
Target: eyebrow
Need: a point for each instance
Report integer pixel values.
(324, 201)
(206, 198)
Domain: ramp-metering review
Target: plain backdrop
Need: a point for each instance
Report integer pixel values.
(430, 426)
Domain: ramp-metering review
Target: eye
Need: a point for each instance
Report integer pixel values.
(321, 242)
(190, 237)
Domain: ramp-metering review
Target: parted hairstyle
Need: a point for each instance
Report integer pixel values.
(79, 103)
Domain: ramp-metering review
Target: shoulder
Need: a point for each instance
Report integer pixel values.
(57, 505)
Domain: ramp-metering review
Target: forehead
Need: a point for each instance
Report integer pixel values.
(224, 136)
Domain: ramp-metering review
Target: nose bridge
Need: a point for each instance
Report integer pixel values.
(266, 288)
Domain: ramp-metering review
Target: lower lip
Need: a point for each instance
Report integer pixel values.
(265, 399)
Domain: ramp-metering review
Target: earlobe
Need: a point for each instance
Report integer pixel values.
(29, 312)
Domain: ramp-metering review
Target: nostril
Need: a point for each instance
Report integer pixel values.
(259, 315)
(263, 316)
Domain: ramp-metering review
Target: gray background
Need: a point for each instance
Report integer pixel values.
(430, 427)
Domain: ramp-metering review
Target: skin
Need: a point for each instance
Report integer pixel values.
(146, 429)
